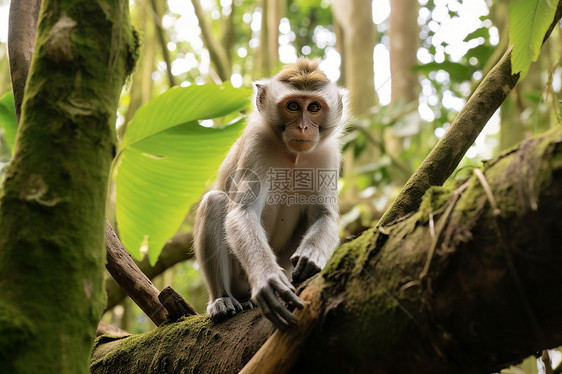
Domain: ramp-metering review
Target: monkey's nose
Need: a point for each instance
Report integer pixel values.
(303, 127)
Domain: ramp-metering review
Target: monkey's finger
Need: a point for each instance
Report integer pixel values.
(269, 313)
(300, 266)
(236, 305)
(295, 260)
(310, 269)
(299, 269)
(285, 281)
(280, 311)
(287, 293)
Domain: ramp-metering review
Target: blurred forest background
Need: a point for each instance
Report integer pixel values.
(410, 67)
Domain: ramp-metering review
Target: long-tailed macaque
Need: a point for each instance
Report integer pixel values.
(271, 217)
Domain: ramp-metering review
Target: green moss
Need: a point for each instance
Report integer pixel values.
(347, 254)
(433, 201)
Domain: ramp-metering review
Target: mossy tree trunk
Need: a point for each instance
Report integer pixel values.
(52, 251)
(469, 283)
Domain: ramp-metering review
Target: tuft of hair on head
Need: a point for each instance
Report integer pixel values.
(304, 74)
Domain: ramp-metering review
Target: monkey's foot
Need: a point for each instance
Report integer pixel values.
(223, 308)
(247, 305)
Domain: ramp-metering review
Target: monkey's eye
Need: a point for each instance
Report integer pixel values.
(314, 107)
(293, 106)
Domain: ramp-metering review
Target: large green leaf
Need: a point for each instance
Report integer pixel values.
(528, 22)
(8, 119)
(167, 158)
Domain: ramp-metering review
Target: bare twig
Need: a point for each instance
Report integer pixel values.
(216, 51)
(162, 40)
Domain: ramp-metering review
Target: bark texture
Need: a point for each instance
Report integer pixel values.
(52, 202)
(467, 284)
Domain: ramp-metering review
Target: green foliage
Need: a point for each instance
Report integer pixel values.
(447, 75)
(457, 71)
(305, 17)
(166, 159)
(307, 5)
(8, 119)
(528, 22)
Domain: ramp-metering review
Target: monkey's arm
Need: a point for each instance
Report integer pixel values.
(317, 245)
(268, 282)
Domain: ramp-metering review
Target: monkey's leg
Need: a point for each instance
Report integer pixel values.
(240, 287)
(214, 257)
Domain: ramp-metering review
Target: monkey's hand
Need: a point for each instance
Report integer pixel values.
(268, 291)
(306, 264)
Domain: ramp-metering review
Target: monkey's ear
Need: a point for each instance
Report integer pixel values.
(343, 100)
(261, 91)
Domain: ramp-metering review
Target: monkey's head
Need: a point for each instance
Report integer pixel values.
(301, 105)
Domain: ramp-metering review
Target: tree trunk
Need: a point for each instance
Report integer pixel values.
(356, 21)
(356, 39)
(157, 12)
(460, 286)
(52, 203)
(275, 11)
(267, 58)
(404, 41)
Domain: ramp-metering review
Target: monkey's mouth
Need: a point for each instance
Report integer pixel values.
(301, 145)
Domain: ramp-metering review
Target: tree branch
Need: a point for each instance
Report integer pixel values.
(137, 285)
(464, 130)
(218, 54)
(281, 351)
(157, 18)
(409, 298)
(177, 249)
(22, 27)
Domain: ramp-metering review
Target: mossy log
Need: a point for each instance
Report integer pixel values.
(468, 283)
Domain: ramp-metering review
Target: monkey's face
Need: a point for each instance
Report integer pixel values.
(301, 121)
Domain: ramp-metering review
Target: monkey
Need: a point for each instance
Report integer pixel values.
(252, 238)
